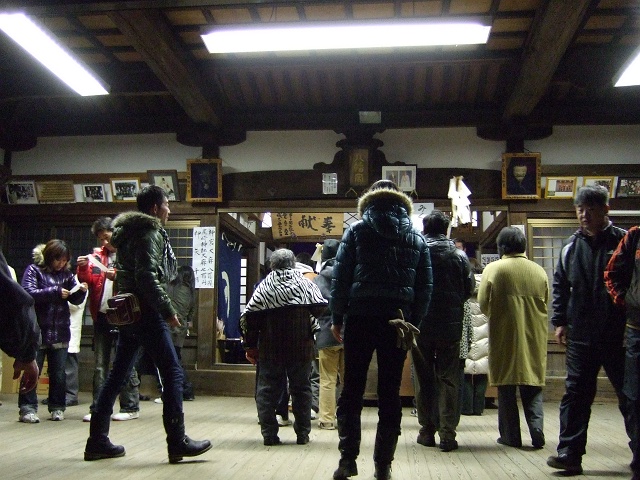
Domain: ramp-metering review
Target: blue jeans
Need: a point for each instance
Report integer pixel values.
(56, 361)
(103, 342)
(632, 391)
(362, 336)
(151, 333)
(583, 364)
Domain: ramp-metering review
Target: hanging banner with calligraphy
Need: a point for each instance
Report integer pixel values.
(204, 256)
(287, 225)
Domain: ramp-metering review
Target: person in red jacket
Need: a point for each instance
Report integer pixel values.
(97, 271)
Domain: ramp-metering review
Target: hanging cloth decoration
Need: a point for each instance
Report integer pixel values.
(460, 203)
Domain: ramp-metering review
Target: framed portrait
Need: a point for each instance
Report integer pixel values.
(560, 187)
(204, 180)
(521, 176)
(628, 187)
(404, 176)
(167, 180)
(125, 189)
(606, 182)
(21, 192)
(94, 192)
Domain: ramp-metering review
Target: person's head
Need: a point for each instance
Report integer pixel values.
(511, 240)
(592, 206)
(56, 255)
(282, 258)
(380, 184)
(186, 276)
(153, 201)
(102, 230)
(436, 223)
(329, 249)
(459, 244)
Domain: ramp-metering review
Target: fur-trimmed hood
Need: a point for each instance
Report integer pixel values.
(386, 211)
(38, 254)
(134, 223)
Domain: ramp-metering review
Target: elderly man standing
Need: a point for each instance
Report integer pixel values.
(587, 322)
(513, 293)
(278, 325)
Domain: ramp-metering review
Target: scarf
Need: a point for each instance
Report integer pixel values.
(170, 263)
(284, 288)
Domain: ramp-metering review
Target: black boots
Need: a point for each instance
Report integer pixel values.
(178, 444)
(98, 444)
(384, 450)
(346, 468)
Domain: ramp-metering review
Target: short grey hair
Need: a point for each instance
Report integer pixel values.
(282, 258)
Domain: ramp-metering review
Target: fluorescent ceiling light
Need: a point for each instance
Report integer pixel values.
(41, 44)
(340, 35)
(630, 72)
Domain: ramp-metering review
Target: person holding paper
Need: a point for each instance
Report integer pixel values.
(98, 272)
(52, 284)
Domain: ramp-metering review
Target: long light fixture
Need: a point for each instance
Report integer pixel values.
(274, 37)
(630, 72)
(42, 45)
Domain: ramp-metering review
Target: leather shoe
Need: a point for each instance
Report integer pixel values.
(270, 441)
(502, 441)
(302, 439)
(570, 464)
(426, 439)
(347, 467)
(383, 471)
(448, 445)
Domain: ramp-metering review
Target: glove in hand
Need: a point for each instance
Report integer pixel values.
(406, 332)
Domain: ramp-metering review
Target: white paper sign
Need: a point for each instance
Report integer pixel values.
(204, 256)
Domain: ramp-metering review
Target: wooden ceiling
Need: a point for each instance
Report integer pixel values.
(547, 62)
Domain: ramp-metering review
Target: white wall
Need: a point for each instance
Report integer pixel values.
(300, 150)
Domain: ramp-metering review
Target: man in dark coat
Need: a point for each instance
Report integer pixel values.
(382, 271)
(436, 355)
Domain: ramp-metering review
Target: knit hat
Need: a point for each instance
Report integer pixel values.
(329, 249)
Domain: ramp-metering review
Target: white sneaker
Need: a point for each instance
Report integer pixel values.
(314, 415)
(86, 418)
(158, 400)
(30, 417)
(123, 416)
(282, 422)
(57, 415)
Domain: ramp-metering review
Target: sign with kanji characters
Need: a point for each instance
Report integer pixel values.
(204, 256)
(286, 225)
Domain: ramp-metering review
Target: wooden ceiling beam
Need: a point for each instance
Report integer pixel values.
(152, 38)
(552, 33)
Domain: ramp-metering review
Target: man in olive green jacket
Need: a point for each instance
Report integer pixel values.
(514, 293)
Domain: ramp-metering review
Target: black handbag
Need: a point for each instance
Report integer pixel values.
(123, 309)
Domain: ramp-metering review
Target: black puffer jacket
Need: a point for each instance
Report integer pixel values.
(383, 263)
(453, 283)
(580, 299)
(140, 261)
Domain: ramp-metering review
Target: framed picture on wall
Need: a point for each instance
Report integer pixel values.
(167, 180)
(21, 192)
(628, 187)
(404, 176)
(560, 187)
(94, 192)
(606, 182)
(125, 189)
(204, 180)
(521, 176)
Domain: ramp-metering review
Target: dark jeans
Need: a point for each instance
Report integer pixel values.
(632, 391)
(151, 333)
(475, 388)
(103, 342)
(56, 361)
(509, 416)
(363, 336)
(437, 374)
(269, 390)
(583, 364)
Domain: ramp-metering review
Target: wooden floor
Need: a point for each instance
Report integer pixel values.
(54, 450)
